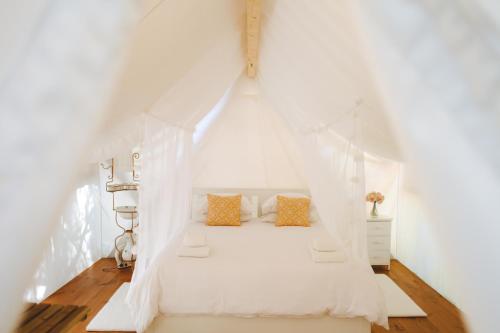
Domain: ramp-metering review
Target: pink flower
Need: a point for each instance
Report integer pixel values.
(375, 197)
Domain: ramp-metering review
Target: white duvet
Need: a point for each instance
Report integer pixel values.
(258, 269)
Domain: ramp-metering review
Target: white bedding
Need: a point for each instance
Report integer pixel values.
(258, 269)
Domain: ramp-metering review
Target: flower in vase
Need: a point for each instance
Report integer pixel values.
(375, 197)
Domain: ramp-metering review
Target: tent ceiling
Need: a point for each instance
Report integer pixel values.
(187, 54)
(172, 39)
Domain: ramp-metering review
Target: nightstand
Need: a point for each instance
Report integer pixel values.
(379, 240)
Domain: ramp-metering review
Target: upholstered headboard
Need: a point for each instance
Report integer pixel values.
(262, 194)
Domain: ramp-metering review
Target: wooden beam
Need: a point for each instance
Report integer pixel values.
(253, 29)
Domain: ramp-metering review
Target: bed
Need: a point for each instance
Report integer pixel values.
(261, 278)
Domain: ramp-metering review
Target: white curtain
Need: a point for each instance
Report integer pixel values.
(185, 89)
(52, 93)
(329, 104)
(314, 52)
(164, 201)
(185, 55)
(334, 169)
(439, 69)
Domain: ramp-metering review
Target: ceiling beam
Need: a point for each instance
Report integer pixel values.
(253, 28)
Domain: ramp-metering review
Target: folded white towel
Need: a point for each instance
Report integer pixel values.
(325, 244)
(194, 239)
(194, 252)
(333, 256)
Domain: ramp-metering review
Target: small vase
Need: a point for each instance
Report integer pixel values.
(374, 212)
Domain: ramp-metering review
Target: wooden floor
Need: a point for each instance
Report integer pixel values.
(96, 285)
(442, 316)
(92, 288)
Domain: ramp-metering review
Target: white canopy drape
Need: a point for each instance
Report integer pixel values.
(334, 171)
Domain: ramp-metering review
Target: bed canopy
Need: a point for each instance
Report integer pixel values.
(406, 81)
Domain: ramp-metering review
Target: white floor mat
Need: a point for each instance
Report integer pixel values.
(398, 303)
(115, 316)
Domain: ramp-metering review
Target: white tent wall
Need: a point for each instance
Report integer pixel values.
(437, 67)
(248, 146)
(194, 41)
(51, 101)
(418, 244)
(76, 242)
(16, 33)
(415, 238)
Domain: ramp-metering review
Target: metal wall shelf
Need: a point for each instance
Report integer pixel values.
(127, 237)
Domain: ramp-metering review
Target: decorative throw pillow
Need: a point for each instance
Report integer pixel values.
(249, 207)
(293, 211)
(270, 207)
(223, 210)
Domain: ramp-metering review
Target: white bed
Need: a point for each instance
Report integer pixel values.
(261, 276)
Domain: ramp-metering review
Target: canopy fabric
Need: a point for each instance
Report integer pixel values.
(334, 170)
(164, 202)
(202, 42)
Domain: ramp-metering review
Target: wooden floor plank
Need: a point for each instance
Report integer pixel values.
(71, 320)
(97, 284)
(32, 313)
(442, 316)
(51, 318)
(36, 322)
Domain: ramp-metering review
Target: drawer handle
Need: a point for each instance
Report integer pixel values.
(377, 243)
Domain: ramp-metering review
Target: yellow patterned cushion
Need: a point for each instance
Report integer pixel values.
(223, 210)
(293, 212)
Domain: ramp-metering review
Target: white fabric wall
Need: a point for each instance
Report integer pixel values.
(180, 48)
(76, 243)
(418, 244)
(415, 233)
(437, 69)
(51, 100)
(248, 145)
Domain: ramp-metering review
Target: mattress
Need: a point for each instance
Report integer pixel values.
(259, 270)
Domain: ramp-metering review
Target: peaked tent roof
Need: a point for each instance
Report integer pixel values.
(187, 54)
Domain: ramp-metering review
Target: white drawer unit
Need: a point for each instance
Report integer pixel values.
(379, 240)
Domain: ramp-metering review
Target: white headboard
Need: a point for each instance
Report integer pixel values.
(262, 194)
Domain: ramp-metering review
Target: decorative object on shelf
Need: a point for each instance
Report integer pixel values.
(125, 243)
(375, 198)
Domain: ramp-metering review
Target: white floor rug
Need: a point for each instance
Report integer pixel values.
(398, 303)
(115, 316)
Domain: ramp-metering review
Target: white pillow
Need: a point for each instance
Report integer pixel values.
(200, 207)
(270, 207)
